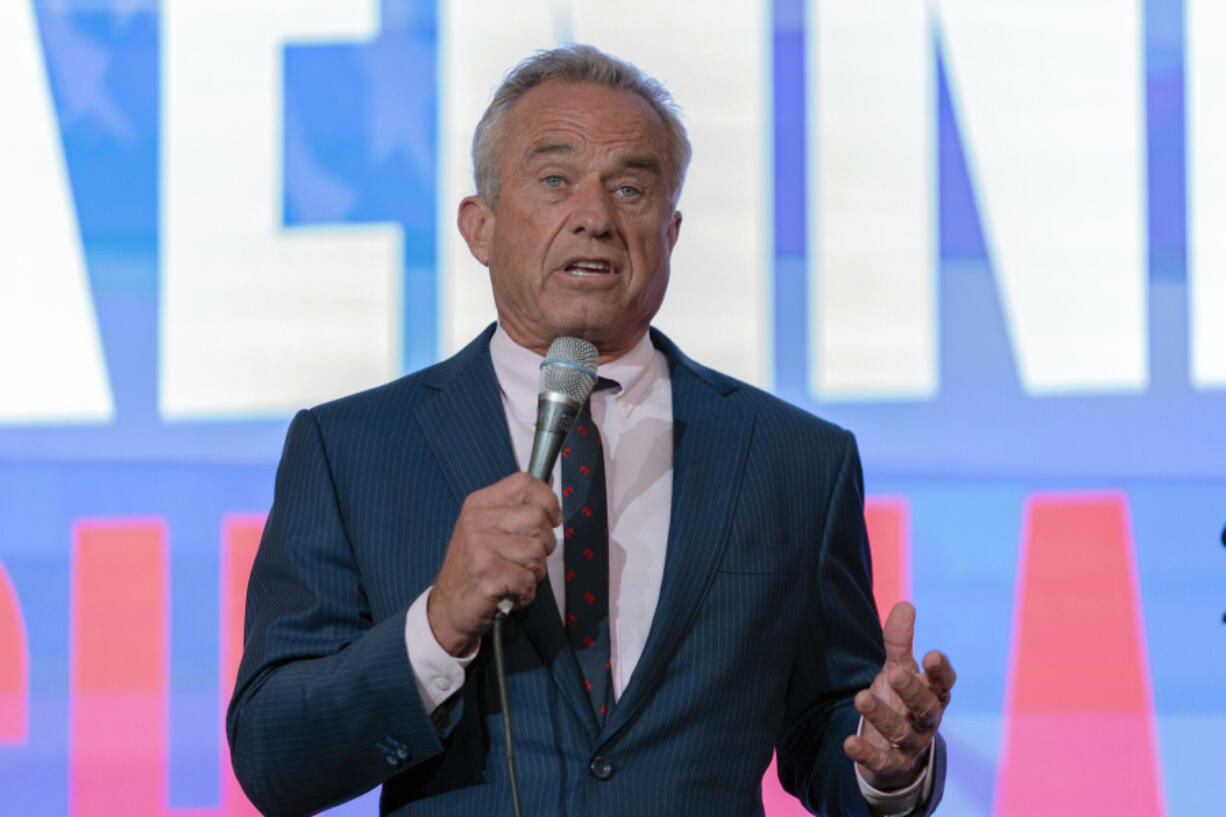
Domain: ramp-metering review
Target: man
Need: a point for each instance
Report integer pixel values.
(736, 617)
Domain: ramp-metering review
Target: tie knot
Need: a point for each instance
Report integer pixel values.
(602, 384)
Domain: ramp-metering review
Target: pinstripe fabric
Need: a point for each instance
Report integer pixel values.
(764, 631)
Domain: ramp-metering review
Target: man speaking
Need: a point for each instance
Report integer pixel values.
(691, 593)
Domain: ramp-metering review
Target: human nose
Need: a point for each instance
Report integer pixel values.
(592, 212)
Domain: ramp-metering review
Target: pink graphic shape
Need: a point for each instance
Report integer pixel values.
(240, 540)
(889, 521)
(118, 686)
(14, 666)
(1079, 732)
(118, 680)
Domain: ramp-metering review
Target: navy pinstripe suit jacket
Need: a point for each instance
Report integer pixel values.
(765, 629)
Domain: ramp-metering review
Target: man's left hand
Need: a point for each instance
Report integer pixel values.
(902, 709)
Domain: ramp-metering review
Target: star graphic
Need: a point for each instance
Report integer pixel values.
(79, 65)
(401, 76)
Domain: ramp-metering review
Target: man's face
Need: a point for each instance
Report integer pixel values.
(579, 238)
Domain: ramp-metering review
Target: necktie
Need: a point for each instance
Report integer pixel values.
(586, 556)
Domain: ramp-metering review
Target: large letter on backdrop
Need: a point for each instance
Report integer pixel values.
(1206, 83)
(872, 176)
(51, 368)
(717, 304)
(256, 318)
(1048, 95)
(14, 666)
(1079, 736)
(120, 665)
(1051, 117)
(119, 669)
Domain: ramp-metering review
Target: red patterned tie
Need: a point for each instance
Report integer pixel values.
(586, 555)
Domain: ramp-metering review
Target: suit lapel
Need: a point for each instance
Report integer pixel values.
(466, 426)
(467, 430)
(710, 442)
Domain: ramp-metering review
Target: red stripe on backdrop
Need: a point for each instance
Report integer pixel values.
(117, 691)
(14, 666)
(119, 677)
(1079, 733)
(889, 532)
(240, 539)
(889, 527)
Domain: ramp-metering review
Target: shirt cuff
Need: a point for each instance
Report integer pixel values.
(437, 673)
(901, 802)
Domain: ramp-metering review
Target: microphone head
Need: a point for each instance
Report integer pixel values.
(570, 368)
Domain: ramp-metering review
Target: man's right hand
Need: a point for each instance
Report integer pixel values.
(498, 549)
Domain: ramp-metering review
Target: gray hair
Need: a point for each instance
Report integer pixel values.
(572, 63)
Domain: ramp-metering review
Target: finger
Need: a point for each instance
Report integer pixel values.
(893, 726)
(519, 489)
(528, 520)
(535, 492)
(500, 560)
(923, 706)
(524, 551)
(941, 675)
(875, 759)
(899, 633)
(517, 583)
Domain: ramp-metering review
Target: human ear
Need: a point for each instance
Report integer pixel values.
(476, 223)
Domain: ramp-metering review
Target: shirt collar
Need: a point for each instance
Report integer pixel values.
(518, 371)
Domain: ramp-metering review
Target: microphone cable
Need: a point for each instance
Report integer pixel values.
(500, 669)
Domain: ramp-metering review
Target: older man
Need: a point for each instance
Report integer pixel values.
(709, 537)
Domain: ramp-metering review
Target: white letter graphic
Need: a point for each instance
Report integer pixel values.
(51, 365)
(257, 318)
(1048, 96)
(872, 192)
(1206, 84)
(1049, 101)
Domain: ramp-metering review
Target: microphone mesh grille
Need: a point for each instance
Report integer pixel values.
(567, 379)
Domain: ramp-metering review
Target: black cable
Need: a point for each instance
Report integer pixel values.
(500, 668)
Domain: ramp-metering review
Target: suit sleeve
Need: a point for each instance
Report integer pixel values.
(843, 654)
(325, 706)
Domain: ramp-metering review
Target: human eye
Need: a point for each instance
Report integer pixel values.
(553, 180)
(629, 191)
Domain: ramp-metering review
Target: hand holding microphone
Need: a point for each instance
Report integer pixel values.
(504, 532)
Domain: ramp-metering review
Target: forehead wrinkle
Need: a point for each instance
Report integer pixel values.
(549, 148)
(632, 161)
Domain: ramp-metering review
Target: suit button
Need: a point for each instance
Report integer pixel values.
(601, 767)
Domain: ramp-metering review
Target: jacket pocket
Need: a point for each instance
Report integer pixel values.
(759, 558)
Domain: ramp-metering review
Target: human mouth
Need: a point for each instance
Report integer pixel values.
(589, 268)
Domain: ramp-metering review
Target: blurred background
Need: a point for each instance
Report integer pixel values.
(987, 236)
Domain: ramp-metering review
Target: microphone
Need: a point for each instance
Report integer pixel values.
(568, 375)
